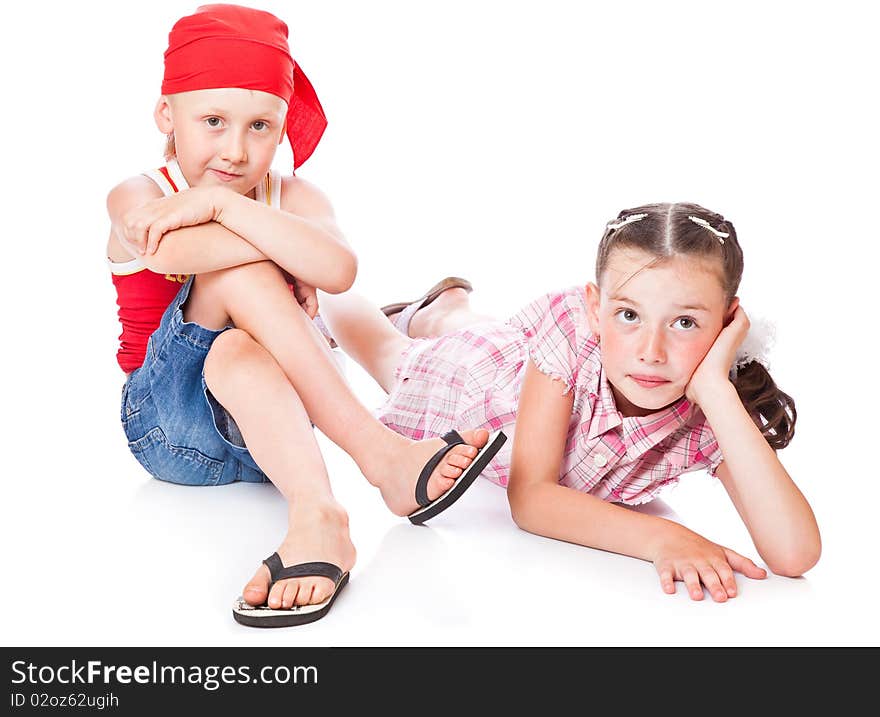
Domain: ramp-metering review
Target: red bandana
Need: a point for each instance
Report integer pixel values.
(234, 46)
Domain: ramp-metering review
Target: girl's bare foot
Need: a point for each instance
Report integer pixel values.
(449, 312)
(316, 533)
(397, 474)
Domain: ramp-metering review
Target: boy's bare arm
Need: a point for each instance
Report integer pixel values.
(190, 250)
(197, 230)
(303, 239)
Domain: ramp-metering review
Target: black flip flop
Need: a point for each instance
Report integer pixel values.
(428, 508)
(264, 616)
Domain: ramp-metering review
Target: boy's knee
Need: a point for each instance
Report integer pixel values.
(222, 282)
(262, 270)
(214, 293)
(233, 351)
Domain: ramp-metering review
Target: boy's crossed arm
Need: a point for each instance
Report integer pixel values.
(205, 229)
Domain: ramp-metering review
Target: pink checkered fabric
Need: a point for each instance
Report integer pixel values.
(472, 379)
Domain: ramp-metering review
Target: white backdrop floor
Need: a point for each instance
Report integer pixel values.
(113, 557)
(488, 140)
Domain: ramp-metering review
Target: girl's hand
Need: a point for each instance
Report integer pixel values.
(695, 561)
(143, 227)
(714, 369)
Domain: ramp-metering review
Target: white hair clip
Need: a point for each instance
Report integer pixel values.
(627, 220)
(703, 223)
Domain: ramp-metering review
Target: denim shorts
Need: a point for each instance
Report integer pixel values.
(175, 428)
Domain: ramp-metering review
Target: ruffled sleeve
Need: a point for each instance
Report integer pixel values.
(555, 326)
(708, 451)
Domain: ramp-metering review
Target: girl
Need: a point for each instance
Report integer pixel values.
(611, 392)
(224, 368)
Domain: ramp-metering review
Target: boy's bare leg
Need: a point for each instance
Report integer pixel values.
(258, 301)
(250, 384)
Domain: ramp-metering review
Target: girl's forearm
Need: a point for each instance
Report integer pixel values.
(776, 514)
(303, 247)
(556, 511)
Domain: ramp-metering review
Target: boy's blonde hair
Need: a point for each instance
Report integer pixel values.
(170, 147)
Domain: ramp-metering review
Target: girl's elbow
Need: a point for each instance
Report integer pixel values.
(518, 511)
(797, 562)
(520, 520)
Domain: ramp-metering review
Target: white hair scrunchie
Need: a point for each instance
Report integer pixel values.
(756, 345)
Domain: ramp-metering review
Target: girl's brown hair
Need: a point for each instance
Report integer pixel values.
(667, 230)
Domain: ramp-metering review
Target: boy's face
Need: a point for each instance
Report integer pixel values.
(656, 322)
(224, 136)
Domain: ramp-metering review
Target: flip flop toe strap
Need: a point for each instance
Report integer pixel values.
(402, 320)
(452, 439)
(278, 572)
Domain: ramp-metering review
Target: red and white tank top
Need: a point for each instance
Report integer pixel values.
(143, 295)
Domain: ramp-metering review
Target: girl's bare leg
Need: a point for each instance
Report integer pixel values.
(250, 384)
(364, 333)
(257, 300)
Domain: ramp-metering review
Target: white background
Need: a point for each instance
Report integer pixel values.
(486, 139)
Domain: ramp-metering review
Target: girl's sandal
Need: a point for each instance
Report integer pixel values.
(405, 310)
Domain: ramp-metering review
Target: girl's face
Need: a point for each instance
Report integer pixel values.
(224, 137)
(655, 325)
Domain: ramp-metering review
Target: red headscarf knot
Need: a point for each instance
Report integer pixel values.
(235, 46)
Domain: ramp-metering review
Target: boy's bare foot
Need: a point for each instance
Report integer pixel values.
(397, 475)
(316, 533)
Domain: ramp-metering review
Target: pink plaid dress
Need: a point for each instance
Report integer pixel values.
(472, 379)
